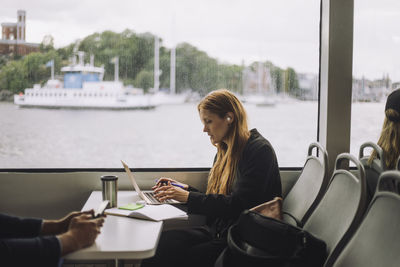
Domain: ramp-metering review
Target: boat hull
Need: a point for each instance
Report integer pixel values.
(87, 107)
(59, 100)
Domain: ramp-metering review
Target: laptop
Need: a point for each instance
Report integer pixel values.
(147, 196)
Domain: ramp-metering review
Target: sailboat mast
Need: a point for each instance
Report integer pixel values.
(116, 69)
(259, 77)
(172, 73)
(156, 64)
(52, 69)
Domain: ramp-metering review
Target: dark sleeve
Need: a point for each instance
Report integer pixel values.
(257, 181)
(38, 251)
(21, 246)
(15, 227)
(192, 189)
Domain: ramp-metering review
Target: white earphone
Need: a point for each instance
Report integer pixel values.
(228, 119)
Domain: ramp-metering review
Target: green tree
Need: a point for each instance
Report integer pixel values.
(195, 70)
(292, 82)
(144, 80)
(278, 77)
(34, 67)
(230, 77)
(165, 67)
(13, 78)
(3, 60)
(134, 51)
(17, 75)
(47, 44)
(65, 52)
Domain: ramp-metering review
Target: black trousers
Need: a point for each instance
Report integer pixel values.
(186, 247)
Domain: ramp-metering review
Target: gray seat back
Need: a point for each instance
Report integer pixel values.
(341, 208)
(377, 240)
(309, 187)
(373, 170)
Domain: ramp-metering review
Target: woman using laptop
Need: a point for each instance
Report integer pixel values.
(245, 174)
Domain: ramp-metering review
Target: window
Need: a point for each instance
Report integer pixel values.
(265, 51)
(376, 72)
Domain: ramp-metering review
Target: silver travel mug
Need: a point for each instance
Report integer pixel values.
(110, 189)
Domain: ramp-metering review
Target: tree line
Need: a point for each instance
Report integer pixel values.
(195, 70)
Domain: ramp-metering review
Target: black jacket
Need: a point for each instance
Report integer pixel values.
(257, 181)
(20, 244)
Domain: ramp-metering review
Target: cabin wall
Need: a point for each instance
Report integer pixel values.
(52, 195)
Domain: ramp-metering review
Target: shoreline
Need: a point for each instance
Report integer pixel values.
(6, 96)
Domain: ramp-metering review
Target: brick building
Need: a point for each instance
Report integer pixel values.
(13, 37)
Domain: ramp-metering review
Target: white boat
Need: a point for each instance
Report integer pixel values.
(260, 100)
(83, 88)
(164, 98)
(259, 87)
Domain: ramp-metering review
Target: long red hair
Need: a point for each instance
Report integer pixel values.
(222, 174)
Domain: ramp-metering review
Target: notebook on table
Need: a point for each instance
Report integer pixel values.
(151, 212)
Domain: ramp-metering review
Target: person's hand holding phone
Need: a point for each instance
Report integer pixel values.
(99, 212)
(56, 227)
(82, 232)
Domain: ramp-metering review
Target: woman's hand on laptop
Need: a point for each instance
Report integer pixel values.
(165, 180)
(170, 191)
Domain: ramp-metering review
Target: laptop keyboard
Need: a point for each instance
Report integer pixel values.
(150, 196)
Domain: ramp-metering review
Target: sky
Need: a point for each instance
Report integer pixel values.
(285, 32)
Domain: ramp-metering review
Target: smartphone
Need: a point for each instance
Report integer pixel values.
(100, 209)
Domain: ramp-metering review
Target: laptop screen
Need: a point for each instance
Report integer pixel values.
(133, 181)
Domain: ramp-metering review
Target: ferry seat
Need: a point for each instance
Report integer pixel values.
(341, 208)
(373, 170)
(377, 241)
(309, 187)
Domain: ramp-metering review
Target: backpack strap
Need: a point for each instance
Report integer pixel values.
(298, 223)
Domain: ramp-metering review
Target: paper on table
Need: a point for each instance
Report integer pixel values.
(151, 212)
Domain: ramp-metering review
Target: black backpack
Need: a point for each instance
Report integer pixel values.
(257, 240)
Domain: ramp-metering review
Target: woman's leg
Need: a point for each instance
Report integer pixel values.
(206, 253)
(173, 247)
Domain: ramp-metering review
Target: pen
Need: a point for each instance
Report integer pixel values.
(174, 184)
(178, 185)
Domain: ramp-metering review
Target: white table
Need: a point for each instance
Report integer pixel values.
(121, 237)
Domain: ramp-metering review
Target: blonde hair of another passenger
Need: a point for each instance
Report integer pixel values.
(222, 174)
(389, 140)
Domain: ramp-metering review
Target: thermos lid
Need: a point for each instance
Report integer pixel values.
(109, 178)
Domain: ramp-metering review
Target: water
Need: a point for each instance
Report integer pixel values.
(168, 136)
